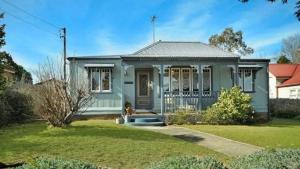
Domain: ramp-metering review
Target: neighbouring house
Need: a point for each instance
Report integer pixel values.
(284, 81)
(166, 76)
(8, 73)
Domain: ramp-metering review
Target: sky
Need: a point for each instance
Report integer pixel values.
(99, 27)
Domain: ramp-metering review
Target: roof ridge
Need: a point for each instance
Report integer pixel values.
(147, 47)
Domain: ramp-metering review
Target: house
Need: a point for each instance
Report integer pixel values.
(166, 76)
(284, 81)
(8, 73)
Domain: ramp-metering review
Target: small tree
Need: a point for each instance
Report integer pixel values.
(57, 101)
(233, 107)
(231, 41)
(283, 60)
(291, 47)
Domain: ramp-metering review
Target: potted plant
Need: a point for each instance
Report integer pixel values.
(128, 108)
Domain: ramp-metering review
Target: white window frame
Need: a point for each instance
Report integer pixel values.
(100, 71)
(242, 86)
(101, 79)
(208, 92)
(294, 95)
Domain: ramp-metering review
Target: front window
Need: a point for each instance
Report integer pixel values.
(100, 79)
(186, 79)
(246, 80)
(175, 79)
(206, 81)
(293, 94)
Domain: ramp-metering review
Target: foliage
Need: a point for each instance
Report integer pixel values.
(231, 41)
(57, 101)
(5, 110)
(285, 108)
(101, 142)
(183, 117)
(290, 45)
(188, 162)
(7, 61)
(279, 158)
(283, 60)
(47, 162)
(297, 12)
(297, 117)
(127, 104)
(233, 107)
(15, 107)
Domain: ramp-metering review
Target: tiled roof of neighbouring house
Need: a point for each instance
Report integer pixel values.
(289, 71)
(181, 49)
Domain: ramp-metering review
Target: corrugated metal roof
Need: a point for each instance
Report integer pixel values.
(181, 49)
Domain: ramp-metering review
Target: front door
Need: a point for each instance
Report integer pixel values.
(144, 89)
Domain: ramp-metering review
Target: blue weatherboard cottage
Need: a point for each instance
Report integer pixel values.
(166, 76)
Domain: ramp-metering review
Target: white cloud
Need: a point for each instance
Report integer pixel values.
(273, 36)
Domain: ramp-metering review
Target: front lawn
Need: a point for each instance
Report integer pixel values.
(279, 133)
(97, 141)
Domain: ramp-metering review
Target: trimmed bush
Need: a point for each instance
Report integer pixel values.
(183, 117)
(4, 112)
(280, 158)
(21, 106)
(15, 107)
(57, 163)
(285, 108)
(188, 162)
(233, 107)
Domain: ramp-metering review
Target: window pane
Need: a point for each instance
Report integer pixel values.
(206, 81)
(185, 79)
(175, 79)
(248, 80)
(166, 80)
(105, 78)
(143, 84)
(241, 79)
(195, 80)
(95, 81)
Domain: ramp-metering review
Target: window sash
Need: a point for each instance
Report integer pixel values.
(246, 80)
(103, 79)
(176, 76)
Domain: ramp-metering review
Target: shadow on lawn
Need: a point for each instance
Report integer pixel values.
(106, 131)
(190, 138)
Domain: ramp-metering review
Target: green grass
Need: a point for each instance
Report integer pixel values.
(279, 133)
(97, 141)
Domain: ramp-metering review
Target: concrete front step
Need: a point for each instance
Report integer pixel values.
(144, 120)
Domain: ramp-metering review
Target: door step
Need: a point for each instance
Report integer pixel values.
(145, 120)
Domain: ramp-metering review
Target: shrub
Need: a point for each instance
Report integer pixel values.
(15, 107)
(285, 108)
(4, 112)
(297, 117)
(184, 117)
(46, 163)
(20, 104)
(233, 107)
(280, 158)
(188, 162)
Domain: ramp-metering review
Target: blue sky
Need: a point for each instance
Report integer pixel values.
(98, 27)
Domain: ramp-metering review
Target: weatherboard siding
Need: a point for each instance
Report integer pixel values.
(106, 103)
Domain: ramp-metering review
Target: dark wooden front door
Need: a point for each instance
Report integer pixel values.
(143, 89)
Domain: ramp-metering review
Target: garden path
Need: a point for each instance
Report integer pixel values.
(220, 144)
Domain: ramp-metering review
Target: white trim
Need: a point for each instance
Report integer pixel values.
(99, 65)
(210, 76)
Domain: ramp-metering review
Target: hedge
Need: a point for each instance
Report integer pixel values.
(285, 108)
(15, 107)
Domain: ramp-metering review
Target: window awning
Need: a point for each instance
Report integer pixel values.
(99, 65)
(250, 66)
